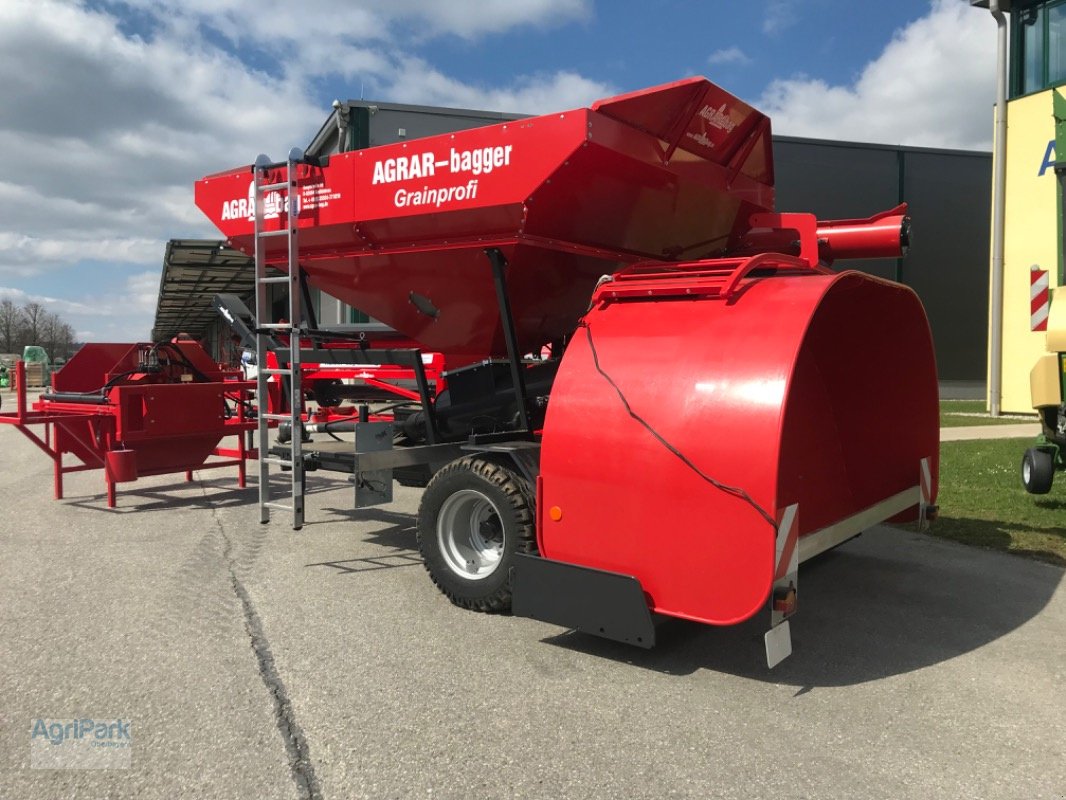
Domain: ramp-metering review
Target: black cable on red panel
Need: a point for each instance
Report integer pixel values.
(734, 491)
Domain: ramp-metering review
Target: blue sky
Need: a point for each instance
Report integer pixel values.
(110, 109)
(632, 44)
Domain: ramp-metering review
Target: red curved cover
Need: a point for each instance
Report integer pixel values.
(818, 390)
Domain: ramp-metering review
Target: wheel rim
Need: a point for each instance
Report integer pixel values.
(470, 534)
(1027, 471)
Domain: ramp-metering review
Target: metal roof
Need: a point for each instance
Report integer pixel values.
(194, 270)
(325, 141)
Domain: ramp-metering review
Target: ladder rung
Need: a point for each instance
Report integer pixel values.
(276, 279)
(282, 506)
(272, 371)
(284, 462)
(278, 417)
(273, 187)
(269, 234)
(276, 326)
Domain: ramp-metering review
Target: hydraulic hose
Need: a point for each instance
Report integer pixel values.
(75, 397)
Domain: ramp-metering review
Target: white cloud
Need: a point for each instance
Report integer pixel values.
(362, 20)
(110, 132)
(931, 86)
(28, 255)
(780, 16)
(728, 55)
(418, 82)
(55, 304)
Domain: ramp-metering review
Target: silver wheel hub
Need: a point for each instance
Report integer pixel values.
(1027, 471)
(470, 534)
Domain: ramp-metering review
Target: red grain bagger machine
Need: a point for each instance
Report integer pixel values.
(718, 406)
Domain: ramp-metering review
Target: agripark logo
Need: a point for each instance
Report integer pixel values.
(80, 743)
(244, 208)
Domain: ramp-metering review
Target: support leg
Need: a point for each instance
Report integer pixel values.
(57, 463)
(510, 338)
(57, 475)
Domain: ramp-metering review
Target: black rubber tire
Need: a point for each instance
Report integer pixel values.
(512, 497)
(326, 394)
(1038, 470)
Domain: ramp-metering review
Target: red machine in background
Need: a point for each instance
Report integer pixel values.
(719, 406)
(135, 410)
(331, 380)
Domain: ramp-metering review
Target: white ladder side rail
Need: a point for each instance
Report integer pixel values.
(264, 322)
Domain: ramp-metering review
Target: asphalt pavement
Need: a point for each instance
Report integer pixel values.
(256, 662)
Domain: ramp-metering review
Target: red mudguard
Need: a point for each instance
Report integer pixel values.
(819, 390)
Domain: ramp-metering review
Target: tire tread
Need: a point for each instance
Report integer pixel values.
(520, 497)
(1041, 472)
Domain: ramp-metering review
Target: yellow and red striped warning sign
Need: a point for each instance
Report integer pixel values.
(1039, 298)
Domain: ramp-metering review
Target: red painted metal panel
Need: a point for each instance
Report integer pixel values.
(174, 426)
(818, 390)
(88, 369)
(695, 115)
(464, 173)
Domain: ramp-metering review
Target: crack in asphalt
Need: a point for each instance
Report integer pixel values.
(300, 764)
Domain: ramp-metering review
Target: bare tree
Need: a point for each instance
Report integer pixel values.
(34, 316)
(50, 326)
(10, 321)
(34, 324)
(57, 336)
(65, 342)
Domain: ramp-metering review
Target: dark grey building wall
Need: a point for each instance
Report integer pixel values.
(949, 195)
(370, 123)
(392, 124)
(949, 269)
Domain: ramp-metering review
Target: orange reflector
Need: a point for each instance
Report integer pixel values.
(555, 513)
(785, 599)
